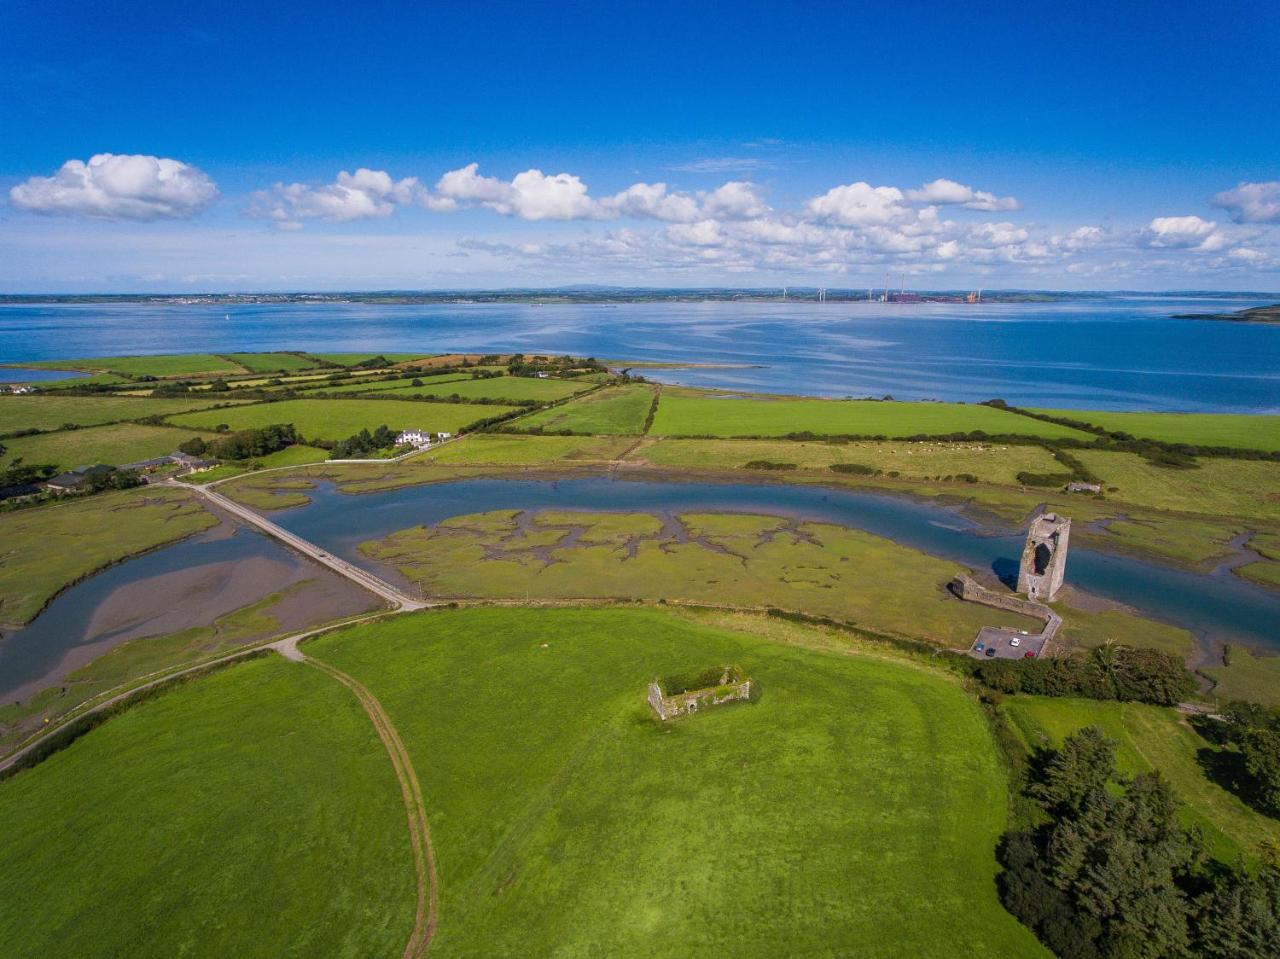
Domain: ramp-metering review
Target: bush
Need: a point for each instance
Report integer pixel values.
(1044, 479)
(769, 465)
(246, 444)
(193, 447)
(855, 468)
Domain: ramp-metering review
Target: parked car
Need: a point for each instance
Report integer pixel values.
(1015, 641)
(991, 650)
(1029, 654)
(979, 647)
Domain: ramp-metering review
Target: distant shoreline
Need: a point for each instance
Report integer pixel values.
(1258, 314)
(614, 295)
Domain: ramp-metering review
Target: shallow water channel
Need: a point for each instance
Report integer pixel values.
(1215, 606)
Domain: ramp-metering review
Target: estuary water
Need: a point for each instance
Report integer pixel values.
(1102, 353)
(1215, 607)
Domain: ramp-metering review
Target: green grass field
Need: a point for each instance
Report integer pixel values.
(501, 388)
(115, 445)
(1222, 487)
(94, 379)
(853, 810)
(46, 548)
(1255, 678)
(1152, 737)
(165, 365)
(503, 449)
(351, 359)
(1091, 629)
(271, 362)
(1251, 432)
(289, 456)
(337, 419)
(354, 385)
(50, 412)
(990, 462)
(727, 558)
(684, 412)
(250, 813)
(617, 410)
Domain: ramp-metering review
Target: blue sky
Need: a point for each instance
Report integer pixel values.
(1085, 145)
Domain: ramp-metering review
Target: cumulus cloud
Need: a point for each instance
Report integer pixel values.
(534, 195)
(860, 204)
(944, 192)
(118, 187)
(1251, 202)
(1181, 232)
(531, 195)
(363, 195)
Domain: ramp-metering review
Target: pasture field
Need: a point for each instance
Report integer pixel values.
(163, 366)
(351, 359)
(93, 379)
(686, 412)
(115, 445)
(51, 412)
(334, 420)
(382, 386)
(510, 449)
(989, 462)
(272, 362)
(707, 557)
(1255, 678)
(1216, 486)
(289, 456)
(1152, 737)
(501, 388)
(1240, 431)
(855, 805)
(259, 817)
(47, 548)
(619, 410)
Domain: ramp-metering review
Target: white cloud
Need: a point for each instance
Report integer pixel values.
(363, 195)
(118, 187)
(860, 204)
(1252, 202)
(735, 200)
(653, 201)
(948, 192)
(1181, 232)
(720, 165)
(531, 195)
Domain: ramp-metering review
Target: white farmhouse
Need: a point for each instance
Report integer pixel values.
(420, 438)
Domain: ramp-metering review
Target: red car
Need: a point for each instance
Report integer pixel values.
(1029, 654)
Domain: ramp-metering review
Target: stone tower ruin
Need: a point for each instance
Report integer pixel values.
(1044, 557)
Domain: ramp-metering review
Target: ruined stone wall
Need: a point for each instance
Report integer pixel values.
(695, 699)
(967, 588)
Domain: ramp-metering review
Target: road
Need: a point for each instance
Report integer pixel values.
(359, 576)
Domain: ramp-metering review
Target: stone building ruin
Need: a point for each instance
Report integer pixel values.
(1044, 557)
(713, 687)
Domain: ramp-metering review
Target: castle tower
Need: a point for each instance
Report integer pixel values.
(1044, 557)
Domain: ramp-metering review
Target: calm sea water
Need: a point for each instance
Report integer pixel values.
(1118, 353)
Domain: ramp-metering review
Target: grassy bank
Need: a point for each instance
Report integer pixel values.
(54, 412)
(46, 549)
(855, 805)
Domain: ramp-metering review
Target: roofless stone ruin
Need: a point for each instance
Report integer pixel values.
(680, 695)
(1044, 557)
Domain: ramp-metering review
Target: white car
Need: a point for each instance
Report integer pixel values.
(1015, 641)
